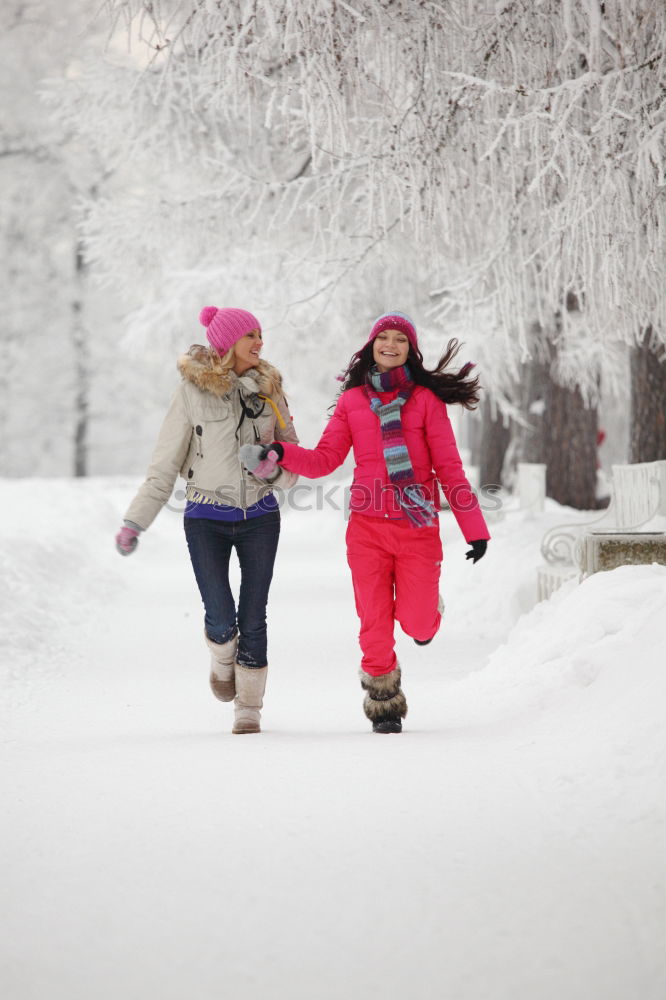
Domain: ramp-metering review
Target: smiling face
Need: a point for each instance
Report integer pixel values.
(390, 349)
(247, 351)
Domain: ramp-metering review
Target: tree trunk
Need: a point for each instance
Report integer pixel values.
(571, 448)
(648, 401)
(535, 383)
(82, 373)
(495, 437)
(562, 434)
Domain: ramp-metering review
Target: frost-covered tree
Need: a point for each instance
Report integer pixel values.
(65, 392)
(46, 340)
(526, 143)
(39, 257)
(517, 148)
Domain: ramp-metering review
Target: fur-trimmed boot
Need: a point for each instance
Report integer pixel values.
(384, 703)
(250, 687)
(222, 662)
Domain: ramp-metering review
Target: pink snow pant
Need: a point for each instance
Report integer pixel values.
(395, 570)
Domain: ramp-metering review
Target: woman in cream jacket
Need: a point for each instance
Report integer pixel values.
(228, 397)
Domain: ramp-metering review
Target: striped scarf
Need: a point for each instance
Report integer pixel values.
(410, 494)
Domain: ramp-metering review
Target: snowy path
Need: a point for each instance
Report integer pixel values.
(149, 853)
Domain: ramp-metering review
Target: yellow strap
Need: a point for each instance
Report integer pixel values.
(280, 418)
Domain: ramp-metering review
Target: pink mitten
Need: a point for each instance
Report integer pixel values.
(267, 468)
(127, 540)
(261, 459)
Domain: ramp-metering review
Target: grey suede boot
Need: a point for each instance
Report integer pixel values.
(384, 704)
(250, 687)
(222, 673)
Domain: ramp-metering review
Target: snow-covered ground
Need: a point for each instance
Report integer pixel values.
(510, 844)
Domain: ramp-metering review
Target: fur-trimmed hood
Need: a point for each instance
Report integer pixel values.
(199, 368)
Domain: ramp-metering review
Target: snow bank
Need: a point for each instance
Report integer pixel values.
(58, 567)
(607, 634)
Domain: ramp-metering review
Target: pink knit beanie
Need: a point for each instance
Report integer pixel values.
(395, 321)
(226, 326)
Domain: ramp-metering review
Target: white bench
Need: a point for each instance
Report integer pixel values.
(638, 495)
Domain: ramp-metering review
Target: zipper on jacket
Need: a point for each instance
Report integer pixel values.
(240, 464)
(256, 439)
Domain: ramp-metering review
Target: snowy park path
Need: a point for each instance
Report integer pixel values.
(513, 853)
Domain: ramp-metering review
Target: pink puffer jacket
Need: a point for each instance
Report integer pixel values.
(431, 444)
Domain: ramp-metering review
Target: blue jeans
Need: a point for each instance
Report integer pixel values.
(210, 543)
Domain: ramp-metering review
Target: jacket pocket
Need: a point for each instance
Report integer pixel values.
(211, 429)
(211, 410)
(204, 434)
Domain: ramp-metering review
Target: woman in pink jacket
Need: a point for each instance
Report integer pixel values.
(392, 411)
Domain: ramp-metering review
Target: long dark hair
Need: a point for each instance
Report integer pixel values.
(450, 387)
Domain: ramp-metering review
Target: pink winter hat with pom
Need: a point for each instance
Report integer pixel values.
(226, 326)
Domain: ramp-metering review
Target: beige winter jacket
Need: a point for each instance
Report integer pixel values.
(202, 432)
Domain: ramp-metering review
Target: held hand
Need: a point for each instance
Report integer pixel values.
(261, 460)
(127, 540)
(478, 550)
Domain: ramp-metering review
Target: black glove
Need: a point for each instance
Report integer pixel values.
(273, 446)
(478, 550)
